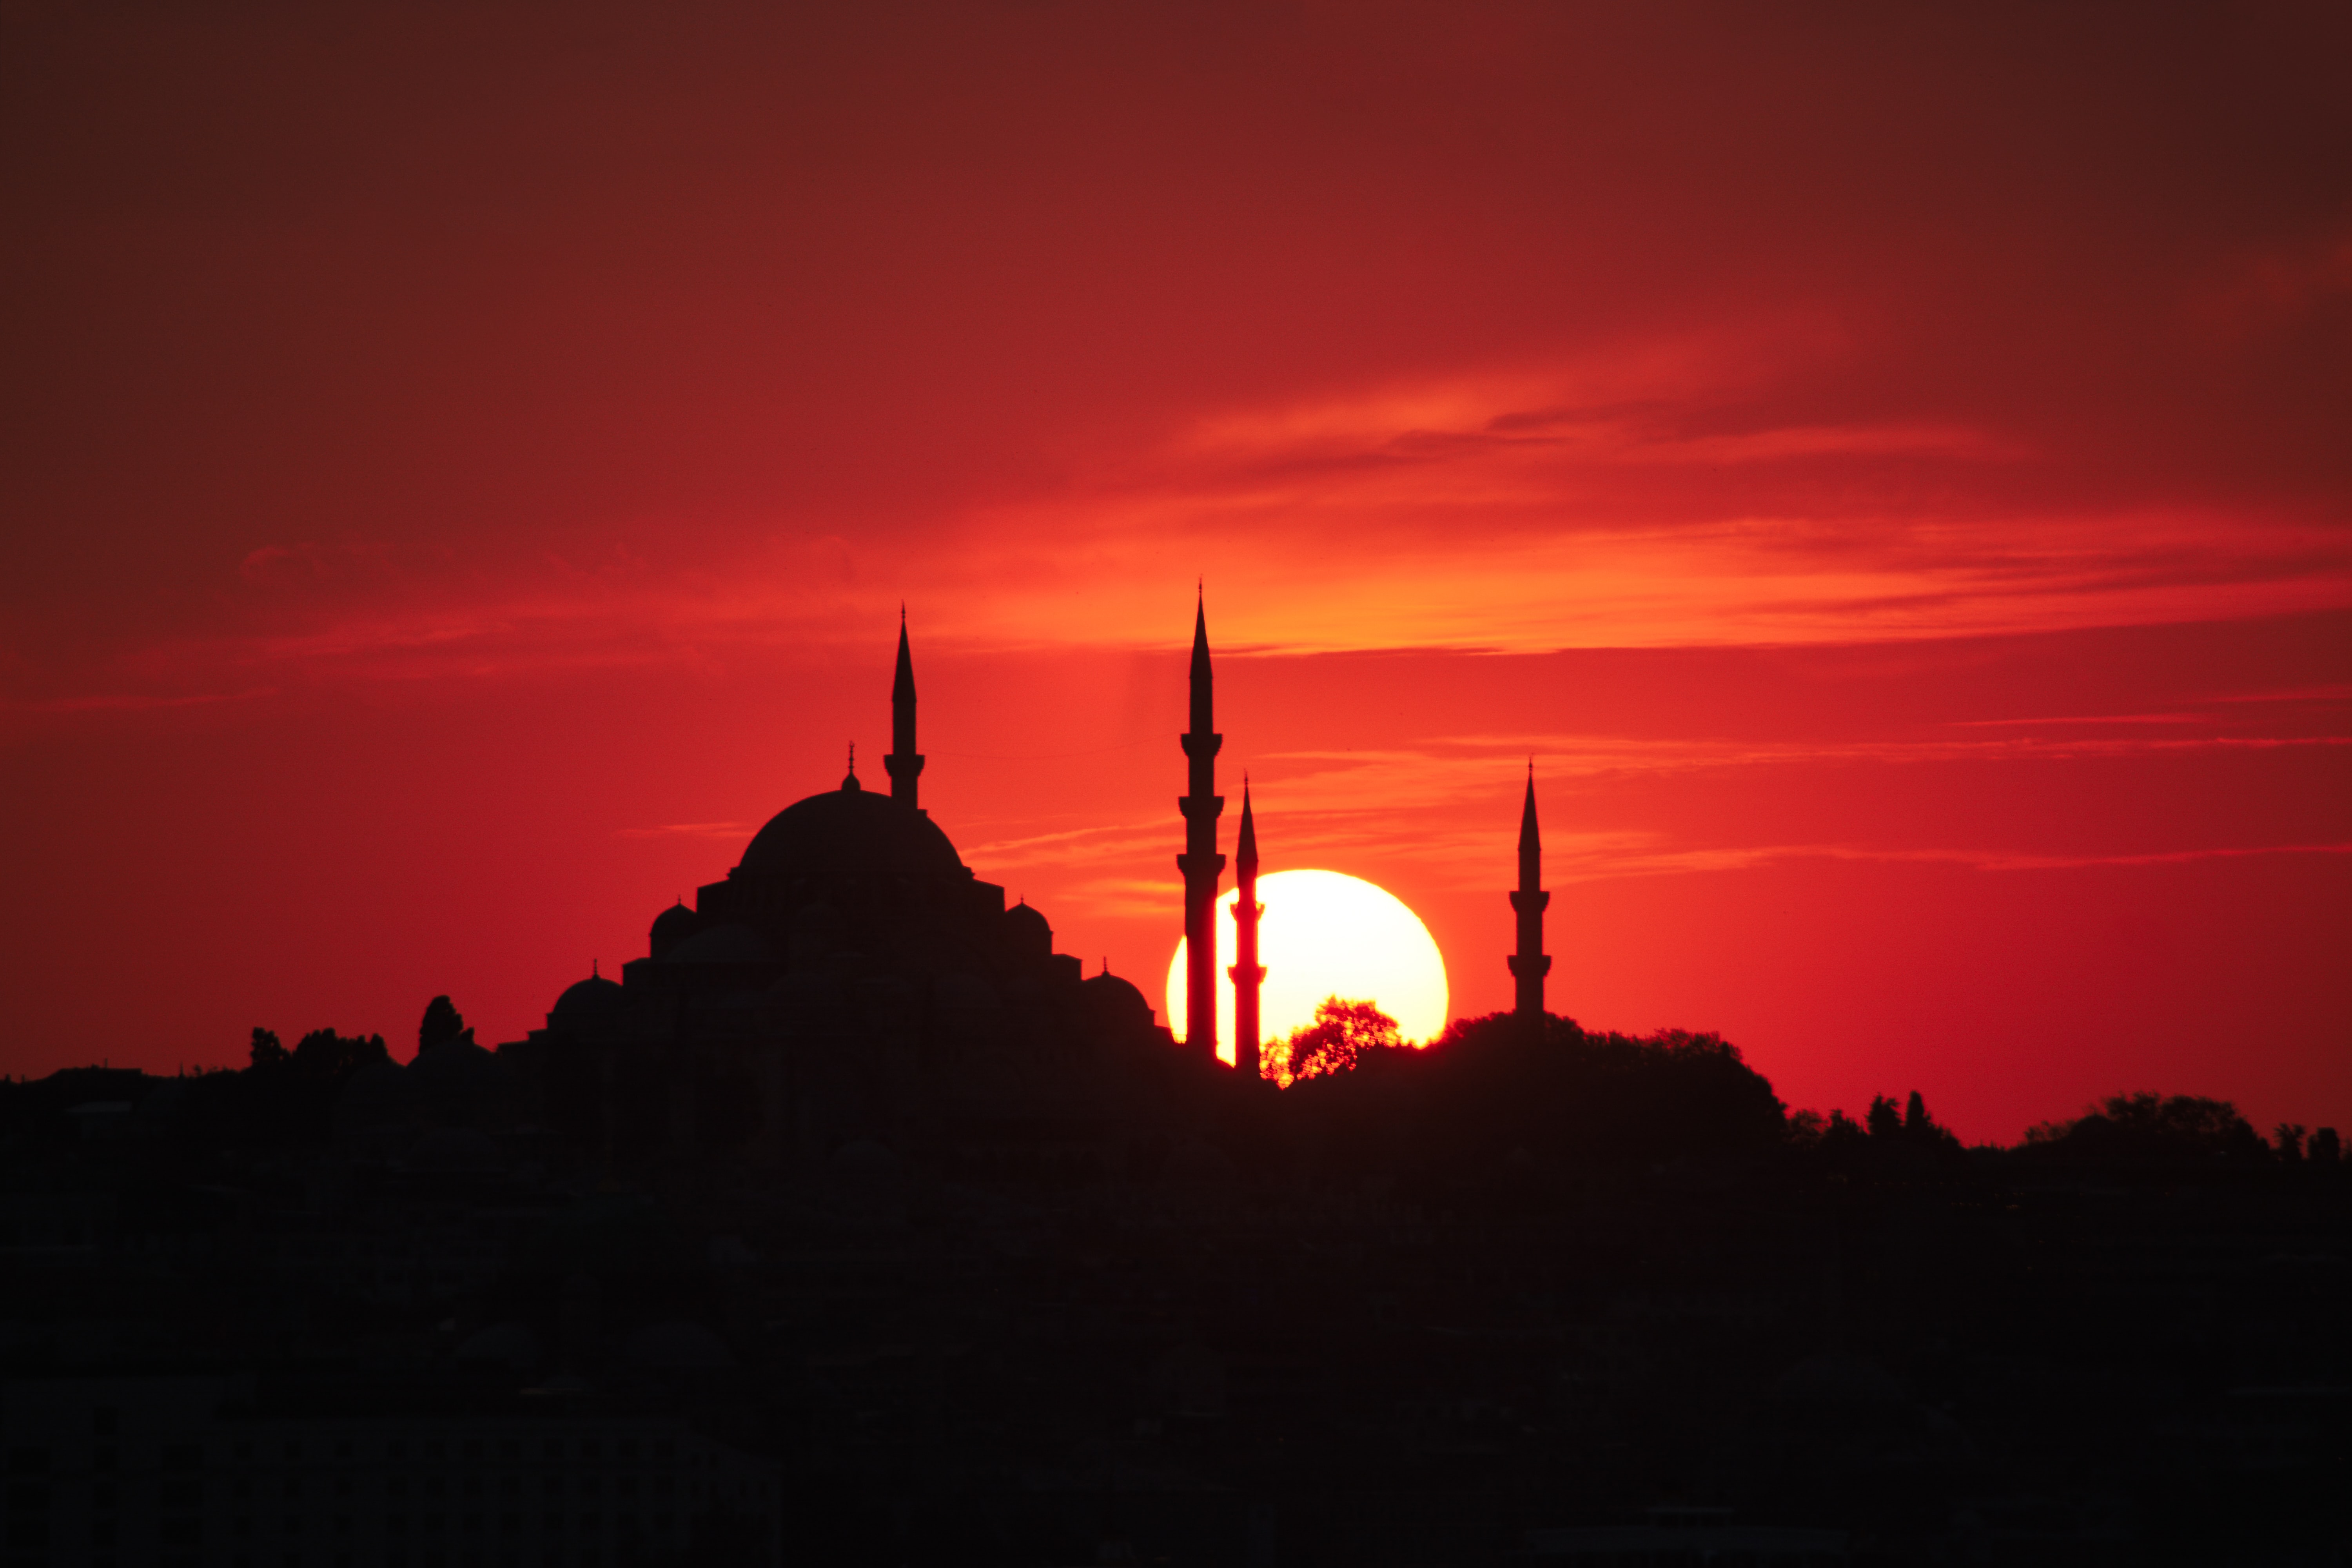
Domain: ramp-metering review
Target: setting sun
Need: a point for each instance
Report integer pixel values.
(1325, 935)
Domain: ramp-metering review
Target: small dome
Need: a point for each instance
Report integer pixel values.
(672, 926)
(727, 943)
(1113, 1003)
(1027, 932)
(589, 1007)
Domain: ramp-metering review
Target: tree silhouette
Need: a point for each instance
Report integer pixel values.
(327, 1056)
(1843, 1134)
(1342, 1032)
(1883, 1120)
(443, 1023)
(1902, 1145)
(266, 1051)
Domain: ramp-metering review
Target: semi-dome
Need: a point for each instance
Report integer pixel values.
(851, 835)
(672, 926)
(591, 1004)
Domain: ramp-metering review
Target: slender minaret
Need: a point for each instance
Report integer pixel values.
(904, 765)
(1248, 973)
(1201, 863)
(1530, 963)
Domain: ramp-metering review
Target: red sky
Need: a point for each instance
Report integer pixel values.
(460, 466)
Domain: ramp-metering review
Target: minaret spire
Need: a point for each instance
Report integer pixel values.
(904, 765)
(1201, 863)
(1248, 973)
(1530, 963)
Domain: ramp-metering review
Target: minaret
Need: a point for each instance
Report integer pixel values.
(1248, 973)
(904, 765)
(1201, 863)
(1529, 964)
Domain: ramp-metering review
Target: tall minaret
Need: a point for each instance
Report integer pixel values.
(1529, 964)
(904, 765)
(1201, 863)
(1248, 973)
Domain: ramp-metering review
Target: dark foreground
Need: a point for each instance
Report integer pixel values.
(1268, 1343)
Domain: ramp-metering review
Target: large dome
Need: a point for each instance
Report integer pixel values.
(851, 834)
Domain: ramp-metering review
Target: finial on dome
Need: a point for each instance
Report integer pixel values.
(850, 783)
(592, 973)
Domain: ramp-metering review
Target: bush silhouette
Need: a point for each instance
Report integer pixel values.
(2149, 1128)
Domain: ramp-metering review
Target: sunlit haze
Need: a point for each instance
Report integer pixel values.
(1325, 933)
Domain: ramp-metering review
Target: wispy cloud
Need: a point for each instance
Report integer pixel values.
(729, 831)
(1667, 861)
(1645, 498)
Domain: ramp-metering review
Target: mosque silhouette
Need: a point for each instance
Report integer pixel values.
(851, 982)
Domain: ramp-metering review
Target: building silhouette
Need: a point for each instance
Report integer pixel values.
(849, 979)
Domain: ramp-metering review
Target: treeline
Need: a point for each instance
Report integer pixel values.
(282, 1097)
(2179, 1128)
(1491, 1097)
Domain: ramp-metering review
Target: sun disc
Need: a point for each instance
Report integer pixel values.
(1325, 933)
